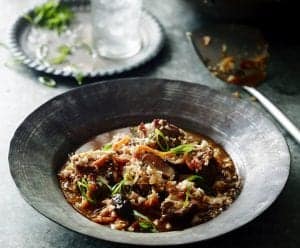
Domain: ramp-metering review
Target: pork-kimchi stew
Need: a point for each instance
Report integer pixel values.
(154, 177)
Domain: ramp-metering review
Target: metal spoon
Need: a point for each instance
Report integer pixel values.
(217, 42)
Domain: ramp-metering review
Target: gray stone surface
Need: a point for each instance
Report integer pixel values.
(21, 226)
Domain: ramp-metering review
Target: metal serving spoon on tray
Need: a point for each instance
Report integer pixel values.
(238, 54)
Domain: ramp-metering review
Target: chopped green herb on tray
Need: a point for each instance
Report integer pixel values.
(78, 75)
(63, 52)
(52, 15)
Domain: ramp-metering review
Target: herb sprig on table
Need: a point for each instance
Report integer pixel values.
(47, 81)
(52, 15)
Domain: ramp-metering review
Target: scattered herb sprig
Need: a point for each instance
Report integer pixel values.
(78, 75)
(83, 188)
(185, 148)
(144, 222)
(196, 179)
(187, 197)
(63, 52)
(103, 182)
(47, 81)
(107, 147)
(161, 140)
(52, 15)
(117, 188)
(200, 182)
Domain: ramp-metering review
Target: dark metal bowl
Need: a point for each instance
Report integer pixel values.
(45, 138)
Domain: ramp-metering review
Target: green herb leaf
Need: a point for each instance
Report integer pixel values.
(140, 215)
(185, 148)
(83, 188)
(117, 188)
(52, 15)
(79, 77)
(187, 197)
(195, 179)
(161, 140)
(144, 222)
(200, 183)
(102, 181)
(63, 52)
(47, 81)
(64, 49)
(107, 147)
(147, 226)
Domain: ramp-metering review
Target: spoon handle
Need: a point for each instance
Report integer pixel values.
(275, 112)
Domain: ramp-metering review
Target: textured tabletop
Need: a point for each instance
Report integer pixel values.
(21, 93)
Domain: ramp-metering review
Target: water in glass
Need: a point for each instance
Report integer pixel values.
(116, 27)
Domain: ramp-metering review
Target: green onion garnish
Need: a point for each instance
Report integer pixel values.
(187, 197)
(78, 75)
(200, 182)
(181, 149)
(161, 140)
(106, 147)
(102, 181)
(83, 188)
(47, 81)
(196, 179)
(117, 188)
(144, 222)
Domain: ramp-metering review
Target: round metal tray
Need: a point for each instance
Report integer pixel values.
(26, 42)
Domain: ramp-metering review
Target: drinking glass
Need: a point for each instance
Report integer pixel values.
(116, 25)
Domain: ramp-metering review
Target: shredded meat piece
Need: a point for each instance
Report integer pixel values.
(107, 215)
(100, 162)
(196, 160)
(159, 164)
(173, 134)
